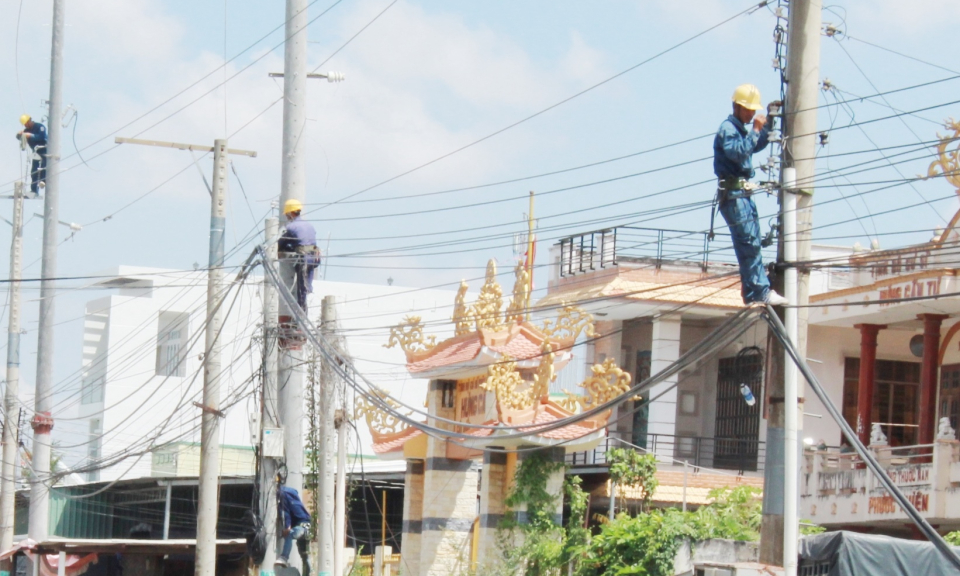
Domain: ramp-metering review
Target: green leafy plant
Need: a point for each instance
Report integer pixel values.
(953, 538)
(540, 550)
(627, 467)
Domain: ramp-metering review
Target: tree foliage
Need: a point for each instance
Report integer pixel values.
(627, 467)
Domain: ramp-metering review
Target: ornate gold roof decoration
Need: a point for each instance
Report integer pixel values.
(569, 324)
(409, 336)
(378, 420)
(485, 312)
(505, 381)
(546, 372)
(608, 382)
(948, 162)
(461, 319)
(517, 310)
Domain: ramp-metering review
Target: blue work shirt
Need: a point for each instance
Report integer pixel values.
(292, 508)
(734, 146)
(297, 233)
(36, 135)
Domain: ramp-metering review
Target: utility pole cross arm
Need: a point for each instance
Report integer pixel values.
(181, 146)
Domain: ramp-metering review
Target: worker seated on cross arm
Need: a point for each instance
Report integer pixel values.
(299, 242)
(34, 134)
(296, 526)
(741, 135)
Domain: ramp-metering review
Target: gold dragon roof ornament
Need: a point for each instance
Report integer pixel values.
(409, 336)
(948, 162)
(377, 420)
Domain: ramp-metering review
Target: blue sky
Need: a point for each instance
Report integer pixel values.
(423, 80)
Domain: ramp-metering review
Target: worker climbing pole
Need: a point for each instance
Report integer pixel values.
(34, 136)
(298, 249)
(733, 150)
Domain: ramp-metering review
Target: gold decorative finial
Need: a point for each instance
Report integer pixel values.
(409, 336)
(485, 312)
(377, 420)
(505, 381)
(948, 163)
(461, 319)
(516, 311)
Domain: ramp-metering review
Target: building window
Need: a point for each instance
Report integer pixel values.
(448, 392)
(171, 344)
(896, 398)
(737, 426)
(91, 390)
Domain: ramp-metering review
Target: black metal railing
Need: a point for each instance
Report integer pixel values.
(719, 453)
(600, 249)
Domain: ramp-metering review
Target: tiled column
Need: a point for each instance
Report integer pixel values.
(865, 384)
(664, 350)
(494, 486)
(554, 483)
(449, 502)
(929, 376)
(412, 516)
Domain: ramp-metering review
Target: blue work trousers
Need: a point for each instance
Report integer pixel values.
(741, 216)
(298, 533)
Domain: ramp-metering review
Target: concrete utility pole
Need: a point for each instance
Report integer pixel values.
(42, 422)
(11, 402)
(780, 525)
(342, 421)
(325, 498)
(293, 187)
(206, 559)
(268, 466)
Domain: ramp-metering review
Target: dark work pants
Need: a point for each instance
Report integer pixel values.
(38, 169)
(741, 216)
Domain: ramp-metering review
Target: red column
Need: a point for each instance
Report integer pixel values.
(868, 361)
(929, 371)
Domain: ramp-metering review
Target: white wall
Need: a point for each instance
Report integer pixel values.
(141, 409)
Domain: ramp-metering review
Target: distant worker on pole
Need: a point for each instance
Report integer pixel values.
(733, 148)
(296, 526)
(299, 242)
(34, 134)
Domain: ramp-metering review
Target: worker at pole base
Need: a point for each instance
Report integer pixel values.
(733, 148)
(34, 134)
(296, 526)
(299, 243)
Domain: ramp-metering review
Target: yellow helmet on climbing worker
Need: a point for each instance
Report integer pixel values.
(292, 205)
(24, 119)
(748, 96)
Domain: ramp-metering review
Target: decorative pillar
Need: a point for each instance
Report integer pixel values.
(664, 350)
(868, 362)
(494, 489)
(412, 516)
(449, 495)
(929, 376)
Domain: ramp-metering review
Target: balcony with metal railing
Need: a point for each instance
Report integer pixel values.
(609, 247)
(733, 454)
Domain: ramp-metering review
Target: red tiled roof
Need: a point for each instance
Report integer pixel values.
(396, 443)
(520, 342)
(569, 432)
(454, 353)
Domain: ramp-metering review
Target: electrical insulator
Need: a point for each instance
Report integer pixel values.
(830, 30)
(779, 13)
(776, 64)
(827, 85)
(824, 138)
(335, 77)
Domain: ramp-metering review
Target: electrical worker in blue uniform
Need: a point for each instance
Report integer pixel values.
(299, 242)
(733, 148)
(35, 135)
(296, 526)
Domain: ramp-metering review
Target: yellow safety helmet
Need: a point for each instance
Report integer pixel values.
(748, 96)
(292, 205)
(24, 119)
